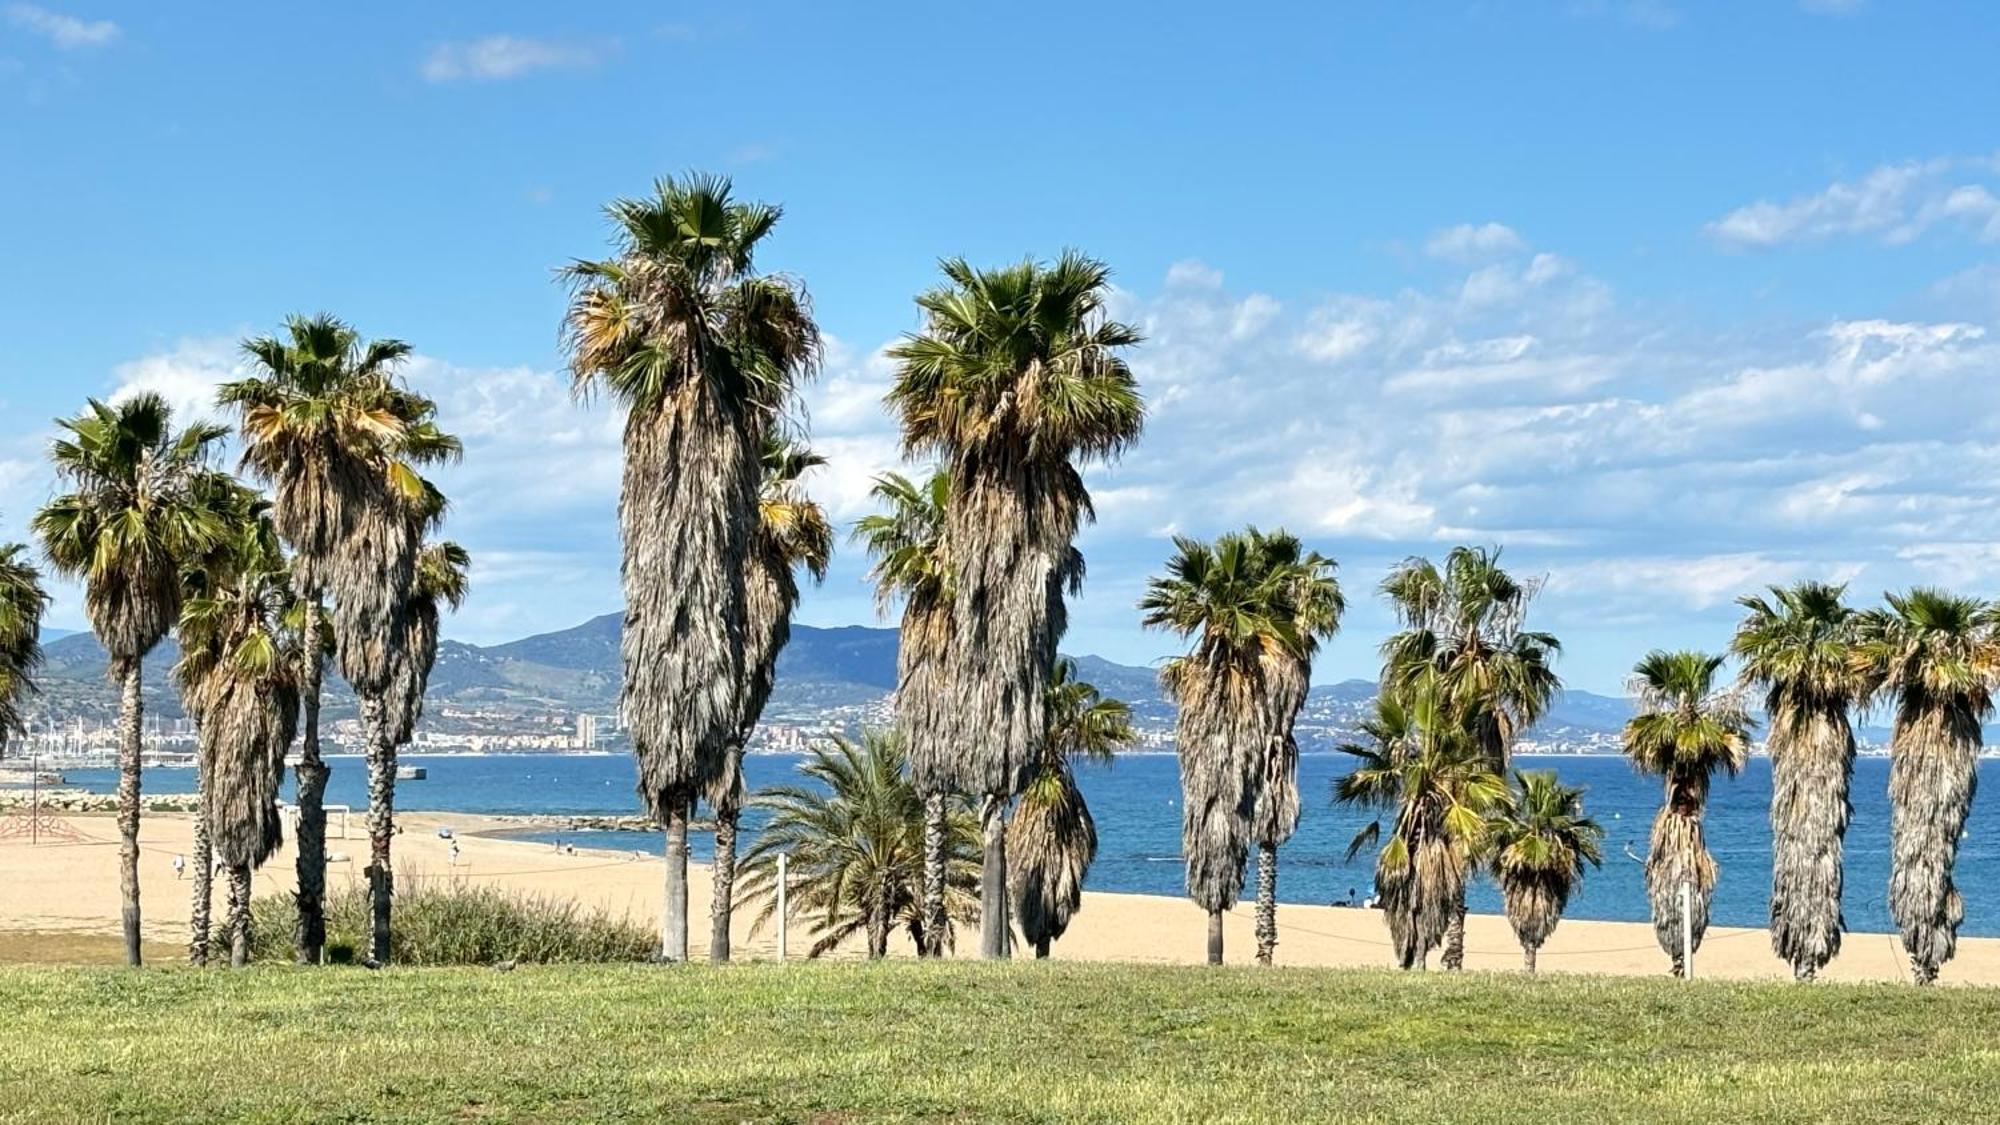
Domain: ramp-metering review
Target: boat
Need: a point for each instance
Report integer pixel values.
(410, 773)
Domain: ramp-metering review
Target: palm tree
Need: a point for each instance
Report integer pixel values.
(702, 352)
(1249, 599)
(855, 846)
(22, 601)
(239, 675)
(792, 532)
(1935, 654)
(907, 546)
(1685, 730)
(1798, 648)
(1424, 764)
(1465, 624)
(1539, 847)
(1015, 378)
(326, 425)
(1052, 839)
(134, 518)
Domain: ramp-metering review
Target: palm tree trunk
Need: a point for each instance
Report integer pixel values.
(311, 772)
(202, 857)
(1042, 948)
(993, 927)
(674, 912)
(1454, 935)
(935, 860)
(381, 828)
(1267, 902)
(131, 711)
(239, 916)
(1528, 957)
(878, 923)
(725, 884)
(1215, 937)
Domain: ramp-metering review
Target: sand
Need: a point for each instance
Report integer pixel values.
(71, 888)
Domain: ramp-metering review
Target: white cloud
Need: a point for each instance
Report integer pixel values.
(186, 376)
(67, 32)
(1468, 242)
(1893, 203)
(500, 57)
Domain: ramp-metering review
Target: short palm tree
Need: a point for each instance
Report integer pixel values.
(1015, 378)
(135, 515)
(702, 352)
(1797, 647)
(1935, 654)
(906, 544)
(22, 601)
(1423, 764)
(792, 532)
(326, 425)
(1685, 730)
(1466, 625)
(1052, 839)
(1540, 844)
(854, 839)
(239, 676)
(1253, 604)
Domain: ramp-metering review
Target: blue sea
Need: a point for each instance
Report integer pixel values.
(1136, 802)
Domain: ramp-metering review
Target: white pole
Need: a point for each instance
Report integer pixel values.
(781, 906)
(1687, 930)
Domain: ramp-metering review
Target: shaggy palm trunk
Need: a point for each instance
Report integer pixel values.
(1267, 903)
(381, 830)
(239, 916)
(674, 910)
(725, 883)
(1812, 763)
(130, 713)
(1215, 937)
(935, 869)
(1932, 777)
(1679, 857)
(200, 915)
(1534, 906)
(1454, 934)
(994, 931)
(1528, 957)
(880, 916)
(312, 772)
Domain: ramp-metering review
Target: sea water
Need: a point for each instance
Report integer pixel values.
(1136, 803)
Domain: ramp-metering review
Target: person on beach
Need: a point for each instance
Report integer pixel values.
(180, 865)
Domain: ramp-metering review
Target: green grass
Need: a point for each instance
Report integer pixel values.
(444, 923)
(910, 1041)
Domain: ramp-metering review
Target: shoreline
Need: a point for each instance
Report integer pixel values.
(71, 888)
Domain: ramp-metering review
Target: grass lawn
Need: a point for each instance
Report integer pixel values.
(909, 1041)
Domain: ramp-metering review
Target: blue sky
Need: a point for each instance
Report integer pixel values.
(1671, 300)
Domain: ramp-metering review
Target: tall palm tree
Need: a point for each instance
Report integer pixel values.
(792, 532)
(1424, 764)
(1466, 625)
(1936, 655)
(1539, 846)
(1052, 839)
(1685, 730)
(854, 843)
(22, 601)
(1237, 691)
(1015, 378)
(907, 546)
(134, 517)
(239, 675)
(1798, 648)
(702, 352)
(326, 425)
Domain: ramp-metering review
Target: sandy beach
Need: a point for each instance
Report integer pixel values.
(71, 887)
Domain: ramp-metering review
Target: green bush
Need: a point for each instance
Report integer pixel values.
(456, 924)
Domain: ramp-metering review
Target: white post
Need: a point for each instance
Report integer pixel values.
(781, 906)
(1687, 930)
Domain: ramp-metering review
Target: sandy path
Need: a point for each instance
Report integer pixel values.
(73, 887)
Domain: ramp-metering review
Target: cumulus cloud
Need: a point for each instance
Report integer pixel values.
(1469, 242)
(65, 31)
(1893, 204)
(500, 57)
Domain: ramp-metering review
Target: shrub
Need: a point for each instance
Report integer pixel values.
(456, 924)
